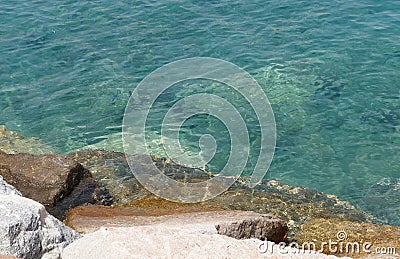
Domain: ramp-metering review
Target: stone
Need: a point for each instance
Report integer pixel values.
(13, 143)
(237, 224)
(186, 235)
(262, 227)
(28, 231)
(57, 182)
(113, 172)
(293, 204)
(7, 189)
(86, 219)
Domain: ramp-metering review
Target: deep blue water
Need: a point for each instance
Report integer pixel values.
(329, 68)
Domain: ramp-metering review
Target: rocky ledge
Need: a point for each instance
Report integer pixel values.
(296, 205)
(231, 225)
(28, 231)
(212, 234)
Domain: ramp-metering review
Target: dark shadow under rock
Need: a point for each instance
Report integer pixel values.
(57, 182)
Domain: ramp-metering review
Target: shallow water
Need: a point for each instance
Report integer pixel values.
(329, 68)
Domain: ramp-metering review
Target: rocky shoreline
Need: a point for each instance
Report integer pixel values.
(96, 195)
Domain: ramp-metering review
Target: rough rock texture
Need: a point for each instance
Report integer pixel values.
(185, 235)
(296, 205)
(12, 143)
(7, 189)
(237, 224)
(57, 182)
(263, 228)
(172, 242)
(349, 232)
(86, 219)
(293, 204)
(113, 172)
(27, 230)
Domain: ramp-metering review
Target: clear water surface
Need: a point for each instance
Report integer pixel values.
(329, 68)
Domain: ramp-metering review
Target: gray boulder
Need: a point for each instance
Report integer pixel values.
(27, 230)
(7, 189)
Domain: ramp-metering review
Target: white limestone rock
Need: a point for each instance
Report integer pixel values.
(27, 230)
(186, 235)
(7, 189)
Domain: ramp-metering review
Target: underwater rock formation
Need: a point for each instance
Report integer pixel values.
(383, 198)
(12, 143)
(113, 172)
(389, 119)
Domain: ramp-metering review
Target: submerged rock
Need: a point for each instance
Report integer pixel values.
(383, 199)
(57, 182)
(389, 119)
(113, 172)
(328, 88)
(12, 143)
(353, 239)
(27, 230)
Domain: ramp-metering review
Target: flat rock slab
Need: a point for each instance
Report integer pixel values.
(57, 182)
(7, 257)
(86, 219)
(187, 235)
(237, 224)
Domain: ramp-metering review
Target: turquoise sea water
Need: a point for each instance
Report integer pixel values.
(329, 68)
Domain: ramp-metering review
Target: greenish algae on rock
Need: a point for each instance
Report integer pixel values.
(13, 143)
(296, 205)
(349, 238)
(112, 170)
(311, 215)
